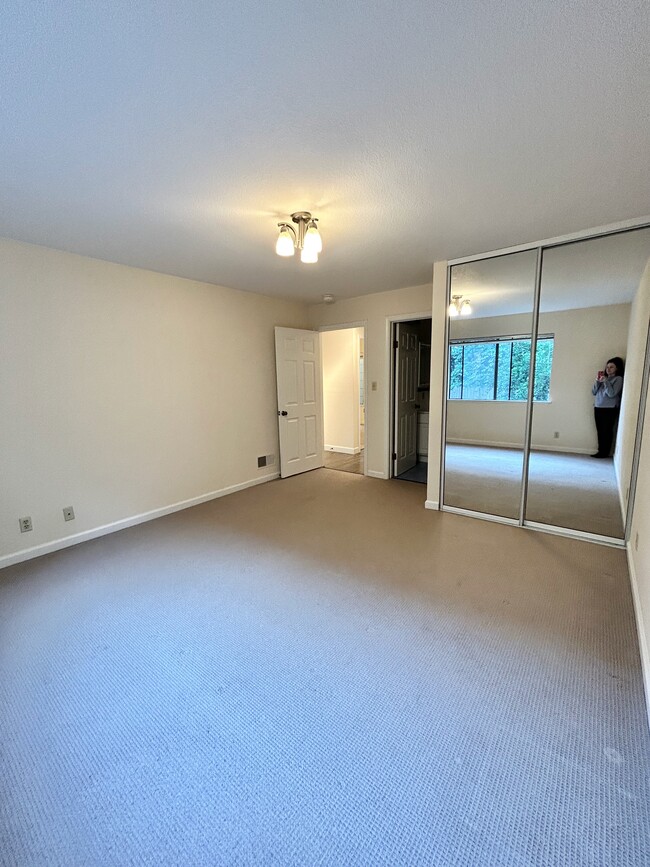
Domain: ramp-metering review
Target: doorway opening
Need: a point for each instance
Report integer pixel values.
(411, 363)
(344, 410)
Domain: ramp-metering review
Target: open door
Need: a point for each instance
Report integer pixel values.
(406, 411)
(300, 408)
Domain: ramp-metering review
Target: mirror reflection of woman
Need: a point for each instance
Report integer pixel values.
(607, 403)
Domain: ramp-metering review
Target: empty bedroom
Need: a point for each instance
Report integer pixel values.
(244, 248)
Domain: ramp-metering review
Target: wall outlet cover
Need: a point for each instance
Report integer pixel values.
(68, 513)
(25, 524)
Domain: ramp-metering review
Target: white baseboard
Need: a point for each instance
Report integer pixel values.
(432, 504)
(535, 448)
(342, 450)
(376, 475)
(640, 628)
(104, 530)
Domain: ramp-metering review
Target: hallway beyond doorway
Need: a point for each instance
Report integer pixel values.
(418, 473)
(347, 463)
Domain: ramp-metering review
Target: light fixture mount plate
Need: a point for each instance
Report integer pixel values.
(301, 216)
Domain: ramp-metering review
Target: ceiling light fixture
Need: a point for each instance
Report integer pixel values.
(307, 238)
(459, 306)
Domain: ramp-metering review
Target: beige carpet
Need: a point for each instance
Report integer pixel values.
(565, 490)
(320, 671)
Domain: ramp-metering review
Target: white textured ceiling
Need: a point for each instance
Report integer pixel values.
(175, 135)
(592, 273)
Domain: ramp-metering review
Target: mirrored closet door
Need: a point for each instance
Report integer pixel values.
(580, 460)
(488, 361)
(576, 426)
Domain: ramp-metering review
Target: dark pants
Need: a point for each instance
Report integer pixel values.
(605, 423)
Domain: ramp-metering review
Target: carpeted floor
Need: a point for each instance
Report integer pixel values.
(564, 490)
(318, 671)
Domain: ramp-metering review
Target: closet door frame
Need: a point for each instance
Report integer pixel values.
(540, 247)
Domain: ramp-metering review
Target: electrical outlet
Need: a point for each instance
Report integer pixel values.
(25, 525)
(68, 513)
(556, 435)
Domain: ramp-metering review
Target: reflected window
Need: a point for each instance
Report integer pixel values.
(497, 368)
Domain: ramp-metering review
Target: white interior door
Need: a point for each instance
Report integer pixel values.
(406, 414)
(300, 408)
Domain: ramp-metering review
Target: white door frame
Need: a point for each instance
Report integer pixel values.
(390, 379)
(343, 326)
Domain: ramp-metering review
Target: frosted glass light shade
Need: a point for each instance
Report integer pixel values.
(284, 245)
(308, 256)
(313, 241)
(465, 308)
(452, 310)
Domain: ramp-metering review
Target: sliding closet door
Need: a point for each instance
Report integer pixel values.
(487, 384)
(593, 298)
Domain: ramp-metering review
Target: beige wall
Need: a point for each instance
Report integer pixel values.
(375, 311)
(639, 554)
(438, 350)
(124, 391)
(340, 359)
(584, 340)
(639, 536)
(636, 344)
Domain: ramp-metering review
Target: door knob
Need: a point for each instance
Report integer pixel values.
(284, 412)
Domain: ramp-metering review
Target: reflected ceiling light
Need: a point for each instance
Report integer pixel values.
(306, 238)
(459, 306)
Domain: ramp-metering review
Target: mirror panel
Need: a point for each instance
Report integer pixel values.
(489, 365)
(591, 297)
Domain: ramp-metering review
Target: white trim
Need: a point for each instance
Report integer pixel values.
(410, 317)
(499, 445)
(375, 474)
(638, 223)
(569, 533)
(432, 504)
(343, 325)
(115, 526)
(640, 629)
(343, 450)
(482, 516)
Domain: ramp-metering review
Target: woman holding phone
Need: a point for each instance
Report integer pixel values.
(607, 403)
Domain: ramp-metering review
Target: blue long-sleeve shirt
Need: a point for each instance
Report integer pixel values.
(607, 393)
